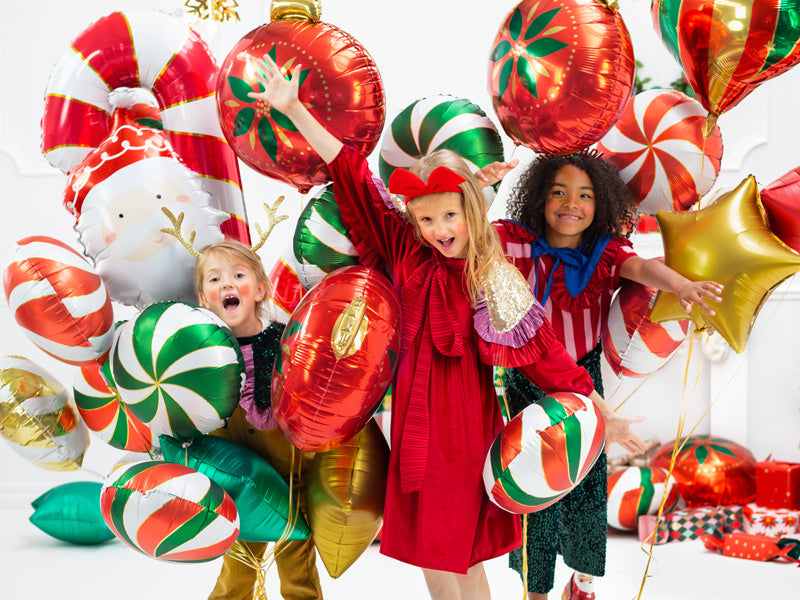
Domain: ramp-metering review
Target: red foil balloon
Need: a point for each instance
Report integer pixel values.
(710, 470)
(560, 73)
(339, 82)
(781, 200)
(338, 355)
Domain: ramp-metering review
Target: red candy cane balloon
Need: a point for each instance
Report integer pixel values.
(59, 300)
(633, 345)
(660, 150)
(158, 52)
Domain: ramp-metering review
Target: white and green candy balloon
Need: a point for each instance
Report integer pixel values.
(178, 368)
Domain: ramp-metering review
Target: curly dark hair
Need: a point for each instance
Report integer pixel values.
(615, 211)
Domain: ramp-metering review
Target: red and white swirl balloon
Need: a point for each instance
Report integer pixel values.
(59, 300)
(659, 148)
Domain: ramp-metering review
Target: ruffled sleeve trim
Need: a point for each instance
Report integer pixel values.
(607, 268)
(518, 336)
(504, 355)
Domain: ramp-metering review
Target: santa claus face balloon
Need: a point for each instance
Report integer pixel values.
(117, 194)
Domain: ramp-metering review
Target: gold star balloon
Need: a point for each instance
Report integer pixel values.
(727, 242)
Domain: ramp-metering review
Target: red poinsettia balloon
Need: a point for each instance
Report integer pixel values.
(560, 73)
(346, 94)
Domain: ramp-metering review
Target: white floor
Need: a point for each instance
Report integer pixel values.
(34, 566)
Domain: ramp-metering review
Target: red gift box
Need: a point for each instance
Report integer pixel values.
(778, 484)
(752, 547)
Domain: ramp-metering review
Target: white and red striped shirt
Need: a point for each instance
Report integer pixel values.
(578, 321)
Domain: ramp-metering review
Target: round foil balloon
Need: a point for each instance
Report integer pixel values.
(37, 418)
(59, 300)
(560, 73)
(727, 49)
(169, 512)
(339, 83)
(636, 491)
(346, 491)
(155, 51)
(105, 414)
(178, 369)
(633, 345)
(660, 151)
(321, 241)
(436, 123)
(544, 452)
(727, 242)
(710, 470)
(339, 352)
(118, 193)
(781, 200)
(284, 279)
(261, 495)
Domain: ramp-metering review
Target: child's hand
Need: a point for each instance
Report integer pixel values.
(494, 172)
(618, 429)
(280, 92)
(695, 292)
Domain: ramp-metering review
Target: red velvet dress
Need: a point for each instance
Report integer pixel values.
(445, 415)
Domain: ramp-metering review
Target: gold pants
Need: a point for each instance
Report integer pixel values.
(295, 560)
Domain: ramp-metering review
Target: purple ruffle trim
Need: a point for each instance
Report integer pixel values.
(524, 331)
(380, 190)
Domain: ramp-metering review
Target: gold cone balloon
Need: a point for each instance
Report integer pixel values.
(37, 418)
(728, 242)
(345, 495)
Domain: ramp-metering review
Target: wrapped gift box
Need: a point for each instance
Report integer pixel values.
(692, 524)
(647, 525)
(778, 484)
(752, 547)
(776, 522)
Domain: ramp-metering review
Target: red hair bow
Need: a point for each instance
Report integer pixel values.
(442, 179)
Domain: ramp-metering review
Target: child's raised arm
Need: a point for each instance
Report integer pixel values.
(281, 93)
(654, 273)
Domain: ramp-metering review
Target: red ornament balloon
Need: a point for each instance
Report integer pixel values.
(59, 300)
(710, 470)
(339, 352)
(661, 153)
(781, 200)
(339, 82)
(560, 73)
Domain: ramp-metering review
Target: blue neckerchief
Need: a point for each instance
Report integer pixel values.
(578, 268)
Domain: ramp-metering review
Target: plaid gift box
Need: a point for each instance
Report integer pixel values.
(647, 525)
(770, 521)
(778, 484)
(694, 523)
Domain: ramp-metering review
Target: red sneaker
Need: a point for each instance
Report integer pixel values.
(578, 590)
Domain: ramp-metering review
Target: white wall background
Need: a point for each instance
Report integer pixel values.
(421, 48)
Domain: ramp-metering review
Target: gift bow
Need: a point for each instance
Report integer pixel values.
(407, 184)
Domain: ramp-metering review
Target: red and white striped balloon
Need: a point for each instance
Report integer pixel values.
(636, 491)
(659, 148)
(59, 300)
(633, 345)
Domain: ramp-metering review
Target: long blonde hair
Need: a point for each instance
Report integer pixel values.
(483, 244)
(235, 251)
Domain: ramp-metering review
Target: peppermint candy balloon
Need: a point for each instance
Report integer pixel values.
(321, 242)
(660, 150)
(37, 418)
(441, 122)
(178, 369)
(544, 452)
(106, 415)
(636, 491)
(59, 300)
(169, 512)
(633, 345)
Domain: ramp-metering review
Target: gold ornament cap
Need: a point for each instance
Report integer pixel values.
(295, 10)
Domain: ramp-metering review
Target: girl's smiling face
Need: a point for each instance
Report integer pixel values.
(441, 221)
(569, 209)
(232, 292)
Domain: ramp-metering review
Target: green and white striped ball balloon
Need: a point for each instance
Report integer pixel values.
(178, 368)
(441, 122)
(321, 244)
(169, 512)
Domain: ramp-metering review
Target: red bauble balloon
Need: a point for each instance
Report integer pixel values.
(560, 73)
(710, 471)
(781, 200)
(339, 352)
(339, 82)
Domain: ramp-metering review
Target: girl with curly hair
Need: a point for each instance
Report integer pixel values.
(571, 215)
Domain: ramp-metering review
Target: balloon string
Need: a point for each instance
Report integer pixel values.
(241, 551)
